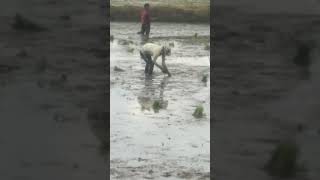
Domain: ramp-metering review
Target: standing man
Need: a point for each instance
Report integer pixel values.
(145, 21)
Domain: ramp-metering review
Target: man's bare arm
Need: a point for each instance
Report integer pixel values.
(155, 62)
(165, 68)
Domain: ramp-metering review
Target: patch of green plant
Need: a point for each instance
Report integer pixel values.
(157, 106)
(284, 160)
(198, 112)
(204, 78)
(22, 23)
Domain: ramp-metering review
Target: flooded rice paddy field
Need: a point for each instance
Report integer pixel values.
(169, 143)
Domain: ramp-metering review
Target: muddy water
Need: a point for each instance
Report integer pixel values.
(169, 143)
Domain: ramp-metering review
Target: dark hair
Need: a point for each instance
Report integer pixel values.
(146, 5)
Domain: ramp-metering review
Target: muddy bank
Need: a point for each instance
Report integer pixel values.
(162, 13)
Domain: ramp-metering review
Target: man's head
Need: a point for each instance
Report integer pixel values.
(146, 6)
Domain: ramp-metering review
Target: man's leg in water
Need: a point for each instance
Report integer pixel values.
(150, 64)
(147, 30)
(143, 29)
(151, 67)
(143, 56)
(146, 69)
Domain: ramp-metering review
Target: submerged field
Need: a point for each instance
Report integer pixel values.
(167, 142)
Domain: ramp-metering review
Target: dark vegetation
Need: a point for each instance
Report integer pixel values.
(284, 160)
(204, 78)
(198, 112)
(157, 106)
(162, 14)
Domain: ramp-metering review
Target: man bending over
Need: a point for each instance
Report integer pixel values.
(150, 52)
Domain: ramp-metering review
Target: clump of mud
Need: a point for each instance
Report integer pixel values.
(284, 160)
(24, 24)
(198, 112)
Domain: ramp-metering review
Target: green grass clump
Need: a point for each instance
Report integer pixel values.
(156, 106)
(198, 113)
(204, 78)
(284, 160)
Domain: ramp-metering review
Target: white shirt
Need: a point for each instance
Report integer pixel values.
(152, 49)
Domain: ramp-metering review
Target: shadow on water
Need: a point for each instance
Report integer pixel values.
(149, 99)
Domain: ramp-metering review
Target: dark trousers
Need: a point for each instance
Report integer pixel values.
(145, 29)
(149, 64)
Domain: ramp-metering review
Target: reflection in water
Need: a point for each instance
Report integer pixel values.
(148, 99)
(144, 39)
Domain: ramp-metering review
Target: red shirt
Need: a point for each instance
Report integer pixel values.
(145, 17)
